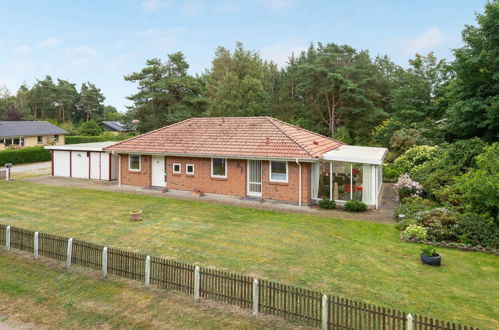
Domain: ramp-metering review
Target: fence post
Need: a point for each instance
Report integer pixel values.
(35, 246)
(70, 251)
(104, 261)
(324, 312)
(147, 280)
(255, 297)
(197, 279)
(409, 322)
(7, 238)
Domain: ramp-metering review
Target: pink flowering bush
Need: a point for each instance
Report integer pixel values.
(406, 187)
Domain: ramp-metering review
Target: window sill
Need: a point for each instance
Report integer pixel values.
(217, 178)
(133, 171)
(189, 175)
(177, 174)
(278, 183)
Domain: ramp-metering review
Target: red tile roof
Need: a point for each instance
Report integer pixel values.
(247, 137)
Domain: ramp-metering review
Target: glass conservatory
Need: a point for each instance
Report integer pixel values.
(349, 173)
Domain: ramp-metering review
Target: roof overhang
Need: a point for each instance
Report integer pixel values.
(356, 154)
(95, 146)
(310, 160)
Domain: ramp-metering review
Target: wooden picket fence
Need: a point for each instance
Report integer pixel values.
(304, 306)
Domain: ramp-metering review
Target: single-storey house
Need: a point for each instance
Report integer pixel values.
(30, 134)
(115, 127)
(84, 161)
(250, 157)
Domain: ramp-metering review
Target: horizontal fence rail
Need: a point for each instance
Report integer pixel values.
(261, 296)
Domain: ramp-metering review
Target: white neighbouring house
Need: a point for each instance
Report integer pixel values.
(84, 161)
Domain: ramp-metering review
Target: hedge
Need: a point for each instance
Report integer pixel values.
(99, 138)
(24, 156)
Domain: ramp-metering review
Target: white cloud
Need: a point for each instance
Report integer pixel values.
(424, 42)
(49, 42)
(280, 52)
(152, 5)
(81, 50)
(277, 4)
(162, 39)
(21, 50)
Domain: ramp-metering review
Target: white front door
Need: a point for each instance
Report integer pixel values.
(254, 178)
(158, 171)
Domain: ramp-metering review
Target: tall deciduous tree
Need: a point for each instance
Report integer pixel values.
(240, 83)
(474, 95)
(167, 93)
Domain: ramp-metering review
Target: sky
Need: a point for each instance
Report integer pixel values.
(101, 41)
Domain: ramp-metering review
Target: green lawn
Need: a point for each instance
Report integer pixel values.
(53, 298)
(354, 259)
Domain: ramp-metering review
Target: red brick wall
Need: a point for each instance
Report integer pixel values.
(234, 184)
(142, 178)
(287, 191)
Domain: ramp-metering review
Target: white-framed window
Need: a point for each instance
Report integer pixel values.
(177, 168)
(278, 171)
(39, 139)
(219, 167)
(134, 163)
(56, 138)
(189, 169)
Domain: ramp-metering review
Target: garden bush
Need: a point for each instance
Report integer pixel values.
(406, 222)
(439, 224)
(429, 250)
(406, 187)
(477, 230)
(24, 155)
(414, 232)
(90, 128)
(412, 206)
(414, 157)
(355, 206)
(327, 204)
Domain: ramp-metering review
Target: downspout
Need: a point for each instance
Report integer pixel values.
(119, 168)
(299, 182)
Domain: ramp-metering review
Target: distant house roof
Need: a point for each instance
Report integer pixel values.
(114, 126)
(245, 137)
(29, 128)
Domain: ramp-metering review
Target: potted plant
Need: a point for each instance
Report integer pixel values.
(136, 215)
(429, 255)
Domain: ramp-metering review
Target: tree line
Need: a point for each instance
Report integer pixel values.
(59, 101)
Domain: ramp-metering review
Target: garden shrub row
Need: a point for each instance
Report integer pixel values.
(99, 138)
(24, 155)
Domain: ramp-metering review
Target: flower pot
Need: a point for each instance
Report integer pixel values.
(432, 261)
(136, 215)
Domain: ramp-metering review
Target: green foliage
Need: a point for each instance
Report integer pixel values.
(99, 138)
(343, 135)
(327, 204)
(355, 206)
(24, 155)
(414, 232)
(403, 224)
(477, 230)
(166, 93)
(390, 173)
(429, 250)
(439, 223)
(90, 128)
(412, 206)
(414, 157)
(403, 139)
(480, 186)
(474, 94)
(383, 133)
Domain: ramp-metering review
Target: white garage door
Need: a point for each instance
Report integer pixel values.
(61, 163)
(79, 163)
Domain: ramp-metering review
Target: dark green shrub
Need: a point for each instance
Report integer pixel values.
(90, 128)
(411, 206)
(391, 173)
(327, 204)
(24, 156)
(355, 206)
(475, 229)
(403, 224)
(439, 222)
